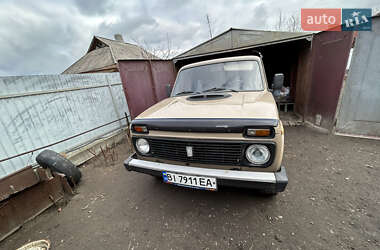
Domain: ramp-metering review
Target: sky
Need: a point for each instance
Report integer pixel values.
(47, 36)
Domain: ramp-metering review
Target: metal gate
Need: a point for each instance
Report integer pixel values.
(359, 112)
(145, 82)
(330, 54)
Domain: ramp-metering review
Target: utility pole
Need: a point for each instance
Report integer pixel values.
(209, 25)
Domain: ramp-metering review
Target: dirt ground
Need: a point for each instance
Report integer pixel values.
(332, 202)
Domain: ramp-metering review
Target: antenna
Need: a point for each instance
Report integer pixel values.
(209, 25)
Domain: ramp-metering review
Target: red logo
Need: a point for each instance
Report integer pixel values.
(321, 19)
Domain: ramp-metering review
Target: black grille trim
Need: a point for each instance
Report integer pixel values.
(217, 152)
(211, 125)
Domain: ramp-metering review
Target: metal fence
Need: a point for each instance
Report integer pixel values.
(36, 111)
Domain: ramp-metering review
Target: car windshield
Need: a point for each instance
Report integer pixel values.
(227, 76)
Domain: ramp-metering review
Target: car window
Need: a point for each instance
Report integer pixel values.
(239, 76)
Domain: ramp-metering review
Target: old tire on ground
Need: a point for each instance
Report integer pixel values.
(57, 163)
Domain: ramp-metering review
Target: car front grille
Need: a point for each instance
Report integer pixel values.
(219, 153)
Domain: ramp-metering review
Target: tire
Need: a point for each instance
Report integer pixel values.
(57, 163)
(158, 178)
(268, 193)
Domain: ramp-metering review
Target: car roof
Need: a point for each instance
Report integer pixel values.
(221, 60)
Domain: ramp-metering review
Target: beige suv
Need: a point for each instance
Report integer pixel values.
(219, 127)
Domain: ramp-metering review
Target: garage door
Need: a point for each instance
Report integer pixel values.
(359, 113)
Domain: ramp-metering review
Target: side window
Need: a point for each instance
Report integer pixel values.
(254, 79)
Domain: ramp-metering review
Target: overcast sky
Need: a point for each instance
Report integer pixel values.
(47, 36)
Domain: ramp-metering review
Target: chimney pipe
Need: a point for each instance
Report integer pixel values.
(119, 37)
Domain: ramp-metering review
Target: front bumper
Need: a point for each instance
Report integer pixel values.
(266, 181)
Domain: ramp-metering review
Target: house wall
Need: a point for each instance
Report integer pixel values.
(41, 110)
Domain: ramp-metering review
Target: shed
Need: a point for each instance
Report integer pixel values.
(313, 65)
(281, 51)
(103, 55)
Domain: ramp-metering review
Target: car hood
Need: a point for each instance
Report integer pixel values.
(236, 105)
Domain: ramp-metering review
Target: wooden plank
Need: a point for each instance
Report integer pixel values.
(24, 206)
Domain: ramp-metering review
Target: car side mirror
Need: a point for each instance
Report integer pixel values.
(277, 84)
(168, 89)
(278, 81)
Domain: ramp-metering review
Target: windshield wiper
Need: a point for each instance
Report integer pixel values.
(207, 90)
(186, 92)
(218, 89)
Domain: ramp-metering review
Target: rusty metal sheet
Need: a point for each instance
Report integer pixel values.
(329, 55)
(137, 85)
(21, 180)
(144, 82)
(24, 206)
(163, 74)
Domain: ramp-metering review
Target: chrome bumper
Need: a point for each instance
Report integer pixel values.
(257, 180)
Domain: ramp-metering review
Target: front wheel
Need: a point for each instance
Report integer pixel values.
(158, 178)
(268, 192)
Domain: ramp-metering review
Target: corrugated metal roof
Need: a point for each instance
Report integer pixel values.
(104, 52)
(235, 39)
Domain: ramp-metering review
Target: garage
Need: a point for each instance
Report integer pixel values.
(313, 65)
(281, 52)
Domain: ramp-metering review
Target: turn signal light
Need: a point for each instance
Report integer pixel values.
(140, 129)
(258, 132)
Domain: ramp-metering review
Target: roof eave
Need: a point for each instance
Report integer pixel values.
(225, 32)
(178, 58)
(90, 48)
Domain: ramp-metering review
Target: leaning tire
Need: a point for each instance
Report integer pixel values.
(57, 163)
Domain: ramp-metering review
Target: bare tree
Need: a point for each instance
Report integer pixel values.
(376, 12)
(293, 23)
(280, 22)
(163, 51)
(290, 23)
(168, 51)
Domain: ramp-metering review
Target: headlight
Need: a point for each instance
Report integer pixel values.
(142, 145)
(257, 154)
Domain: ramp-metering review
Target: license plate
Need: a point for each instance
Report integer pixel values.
(199, 182)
